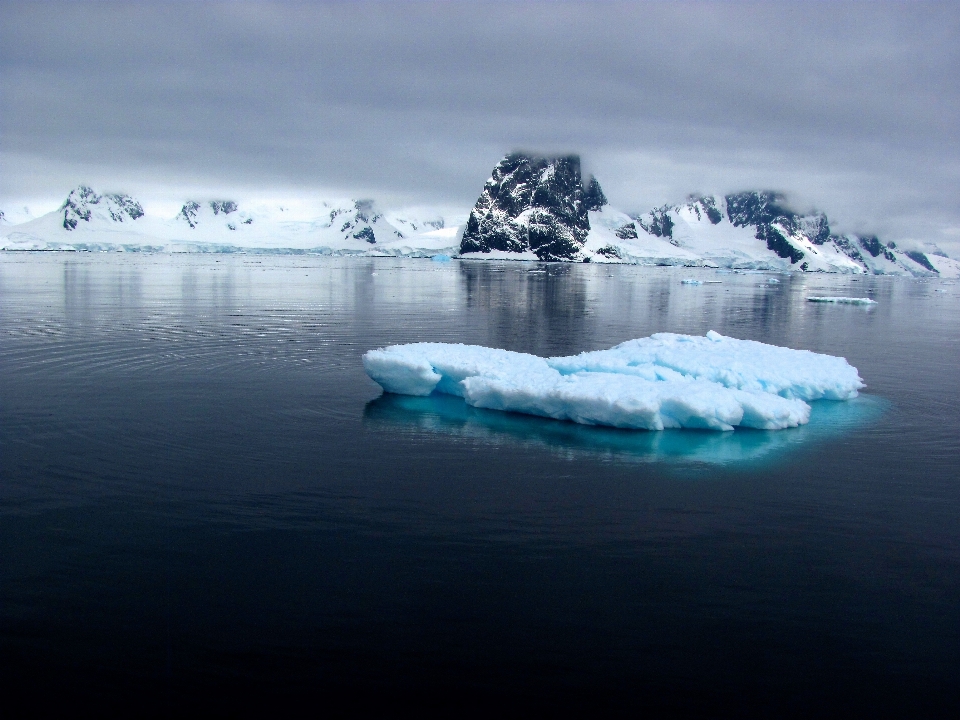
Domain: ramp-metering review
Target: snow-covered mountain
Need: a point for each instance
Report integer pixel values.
(537, 207)
(90, 221)
(756, 230)
(532, 207)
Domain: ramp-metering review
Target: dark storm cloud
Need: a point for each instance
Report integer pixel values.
(853, 108)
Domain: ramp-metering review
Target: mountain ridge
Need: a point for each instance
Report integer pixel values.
(532, 207)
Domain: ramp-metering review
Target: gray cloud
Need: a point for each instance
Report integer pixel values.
(853, 108)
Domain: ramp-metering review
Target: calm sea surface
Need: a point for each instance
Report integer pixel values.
(203, 498)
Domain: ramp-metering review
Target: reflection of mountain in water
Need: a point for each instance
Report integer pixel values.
(450, 415)
(543, 309)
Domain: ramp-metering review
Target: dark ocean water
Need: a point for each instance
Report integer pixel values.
(205, 501)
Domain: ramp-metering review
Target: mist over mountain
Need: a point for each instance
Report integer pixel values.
(533, 207)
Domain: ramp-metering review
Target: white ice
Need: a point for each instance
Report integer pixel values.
(664, 381)
(843, 300)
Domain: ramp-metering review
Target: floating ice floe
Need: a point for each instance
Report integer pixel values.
(663, 381)
(843, 300)
(691, 281)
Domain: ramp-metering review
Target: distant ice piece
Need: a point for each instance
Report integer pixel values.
(663, 381)
(691, 281)
(843, 300)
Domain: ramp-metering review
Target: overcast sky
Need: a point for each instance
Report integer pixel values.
(850, 108)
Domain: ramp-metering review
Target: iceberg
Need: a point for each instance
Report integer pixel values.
(662, 381)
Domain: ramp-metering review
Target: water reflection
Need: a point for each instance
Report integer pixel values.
(530, 307)
(450, 415)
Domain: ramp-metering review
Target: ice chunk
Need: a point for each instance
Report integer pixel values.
(421, 368)
(691, 281)
(664, 381)
(740, 364)
(628, 401)
(843, 300)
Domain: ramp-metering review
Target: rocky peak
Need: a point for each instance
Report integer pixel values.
(357, 222)
(82, 204)
(658, 222)
(192, 213)
(776, 224)
(533, 203)
(593, 196)
(223, 206)
(705, 206)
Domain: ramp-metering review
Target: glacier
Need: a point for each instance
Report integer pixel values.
(663, 381)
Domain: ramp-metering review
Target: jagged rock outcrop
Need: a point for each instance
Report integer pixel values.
(921, 259)
(804, 240)
(533, 203)
(774, 222)
(593, 196)
(192, 213)
(223, 206)
(83, 204)
(658, 222)
(359, 221)
(705, 206)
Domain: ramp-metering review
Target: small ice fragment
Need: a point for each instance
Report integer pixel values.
(691, 281)
(773, 281)
(441, 258)
(843, 300)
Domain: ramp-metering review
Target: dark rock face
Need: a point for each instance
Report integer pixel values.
(659, 222)
(778, 243)
(705, 207)
(626, 232)
(533, 203)
(359, 222)
(223, 206)
(849, 248)
(81, 203)
(918, 257)
(756, 208)
(768, 212)
(593, 196)
(120, 205)
(189, 212)
(871, 243)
